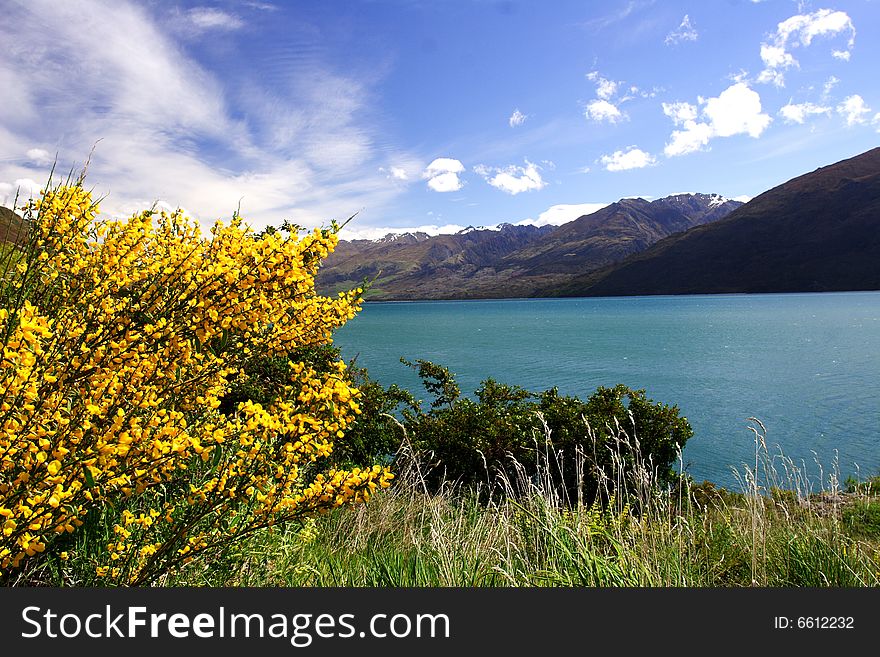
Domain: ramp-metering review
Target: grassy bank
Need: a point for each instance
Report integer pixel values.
(693, 535)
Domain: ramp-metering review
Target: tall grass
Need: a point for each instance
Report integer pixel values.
(776, 531)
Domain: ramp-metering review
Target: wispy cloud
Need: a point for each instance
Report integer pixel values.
(262, 6)
(830, 83)
(516, 119)
(169, 129)
(207, 19)
(628, 9)
(798, 113)
(684, 32)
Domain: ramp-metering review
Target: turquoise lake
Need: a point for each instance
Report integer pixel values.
(806, 365)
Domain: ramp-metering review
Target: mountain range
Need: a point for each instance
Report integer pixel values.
(510, 260)
(817, 232)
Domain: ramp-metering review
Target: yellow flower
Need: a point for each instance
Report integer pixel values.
(137, 315)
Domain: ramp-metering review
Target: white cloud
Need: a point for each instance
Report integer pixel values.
(445, 182)
(395, 173)
(443, 165)
(22, 190)
(631, 158)
(853, 109)
(830, 83)
(694, 137)
(798, 113)
(605, 88)
(40, 157)
(776, 56)
(557, 215)
(776, 59)
(516, 119)
(354, 232)
(442, 174)
(605, 106)
(684, 32)
(823, 22)
(204, 19)
(165, 127)
(513, 179)
(800, 30)
(736, 110)
(602, 110)
(680, 112)
(743, 198)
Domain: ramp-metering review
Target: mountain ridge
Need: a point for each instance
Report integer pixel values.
(512, 260)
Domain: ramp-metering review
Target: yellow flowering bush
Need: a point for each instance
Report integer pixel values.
(119, 339)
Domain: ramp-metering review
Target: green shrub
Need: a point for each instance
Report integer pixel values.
(584, 447)
(375, 436)
(869, 487)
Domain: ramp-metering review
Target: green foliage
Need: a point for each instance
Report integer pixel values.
(437, 380)
(576, 442)
(461, 438)
(869, 487)
(708, 496)
(375, 436)
(862, 518)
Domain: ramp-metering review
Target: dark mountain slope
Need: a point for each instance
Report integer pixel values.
(817, 232)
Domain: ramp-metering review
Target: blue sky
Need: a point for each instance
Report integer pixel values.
(430, 114)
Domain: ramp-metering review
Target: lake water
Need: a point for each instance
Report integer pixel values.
(806, 365)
